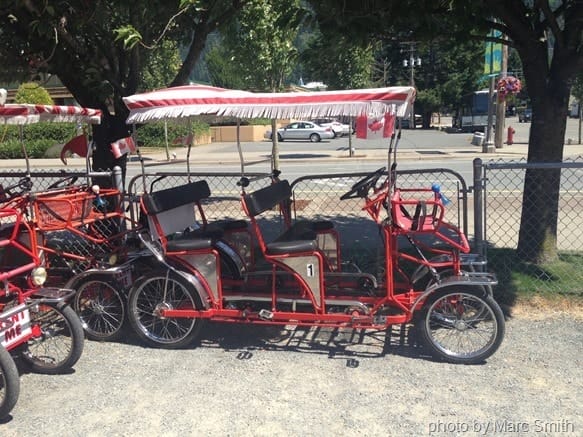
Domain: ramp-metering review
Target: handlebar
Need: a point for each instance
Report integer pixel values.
(24, 184)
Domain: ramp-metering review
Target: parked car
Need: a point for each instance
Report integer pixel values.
(405, 121)
(302, 130)
(340, 129)
(525, 115)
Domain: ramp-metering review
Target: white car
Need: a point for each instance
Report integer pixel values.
(302, 130)
(340, 129)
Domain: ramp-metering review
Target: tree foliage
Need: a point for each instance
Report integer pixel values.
(76, 40)
(261, 45)
(338, 62)
(547, 36)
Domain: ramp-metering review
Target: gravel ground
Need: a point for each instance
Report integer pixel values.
(268, 381)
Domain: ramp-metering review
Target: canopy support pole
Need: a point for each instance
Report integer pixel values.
(241, 160)
(190, 135)
(24, 151)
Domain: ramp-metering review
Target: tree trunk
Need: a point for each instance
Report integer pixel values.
(112, 128)
(537, 241)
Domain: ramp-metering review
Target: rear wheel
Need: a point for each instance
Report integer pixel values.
(162, 290)
(59, 344)
(100, 304)
(462, 325)
(314, 138)
(9, 383)
(279, 138)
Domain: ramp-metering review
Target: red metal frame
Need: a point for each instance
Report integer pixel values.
(395, 304)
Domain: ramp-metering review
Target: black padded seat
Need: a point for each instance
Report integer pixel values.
(293, 242)
(189, 244)
(227, 225)
(215, 234)
(316, 226)
(292, 246)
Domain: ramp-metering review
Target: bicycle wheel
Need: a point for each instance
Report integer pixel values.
(9, 383)
(462, 325)
(100, 304)
(157, 291)
(60, 343)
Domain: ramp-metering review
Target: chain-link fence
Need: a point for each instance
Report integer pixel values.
(492, 215)
(502, 199)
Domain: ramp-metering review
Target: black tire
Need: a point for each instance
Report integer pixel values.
(147, 297)
(279, 138)
(315, 138)
(9, 383)
(462, 325)
(60, 343)
(100, 303)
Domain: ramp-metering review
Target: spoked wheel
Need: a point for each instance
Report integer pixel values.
(59, 344)
(156, 292)
(100, 304)
(462, 325)
(9, 383)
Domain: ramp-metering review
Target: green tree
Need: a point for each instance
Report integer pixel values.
(32, 92)
(160, 66)
(262, 43)
(260, 50)
(548, 37)
(338, 62)
(223, 72)
(82, 44)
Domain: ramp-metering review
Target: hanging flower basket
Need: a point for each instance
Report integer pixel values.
(508, 85)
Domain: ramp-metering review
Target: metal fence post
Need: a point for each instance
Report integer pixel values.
(117, 178)
(478, 207)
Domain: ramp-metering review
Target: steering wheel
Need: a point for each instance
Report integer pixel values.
(362, 187)
(24, 185)
(63, 182)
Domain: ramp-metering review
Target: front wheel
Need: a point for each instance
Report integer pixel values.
(461, 325)
(100, 304)
(9, 383)
(163, 290)
(59, 343)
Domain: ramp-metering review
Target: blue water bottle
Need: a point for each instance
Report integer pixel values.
(436, 188)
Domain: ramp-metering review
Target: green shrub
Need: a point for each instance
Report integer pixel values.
(32, 92)
(12, 149)
(152, 134)
(57, 132)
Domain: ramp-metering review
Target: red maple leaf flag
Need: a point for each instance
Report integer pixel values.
(123, 146)
(375, 127)
(77, 145)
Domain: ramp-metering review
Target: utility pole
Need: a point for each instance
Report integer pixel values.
(411, 62)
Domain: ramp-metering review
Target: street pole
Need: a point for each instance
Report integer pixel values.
(412, 83)
(501, 105)
(488, 146)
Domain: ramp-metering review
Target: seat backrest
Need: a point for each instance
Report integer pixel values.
(267, 198)
(175, 197)
(172, 210)
(400, 219)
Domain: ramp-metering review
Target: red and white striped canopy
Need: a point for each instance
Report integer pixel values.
(186, 101)
(27, 114)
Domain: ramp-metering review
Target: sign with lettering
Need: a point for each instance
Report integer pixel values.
(16, 328)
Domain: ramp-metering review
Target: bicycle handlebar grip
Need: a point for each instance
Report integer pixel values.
(436, 188)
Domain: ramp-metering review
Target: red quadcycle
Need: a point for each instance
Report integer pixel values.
(297, 278)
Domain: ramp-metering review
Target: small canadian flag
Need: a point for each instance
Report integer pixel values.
(123, 146)
(375, 127)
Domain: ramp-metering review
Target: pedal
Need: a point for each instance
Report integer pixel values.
(265, 314)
